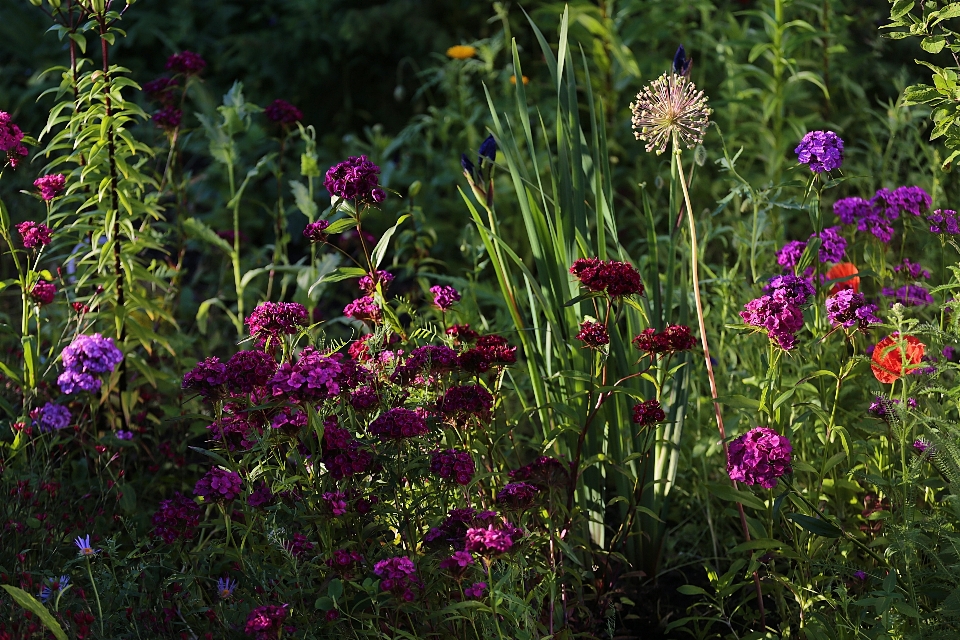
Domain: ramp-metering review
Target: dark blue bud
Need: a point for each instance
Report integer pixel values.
(466, 164)
(681, 64)
(488, 149)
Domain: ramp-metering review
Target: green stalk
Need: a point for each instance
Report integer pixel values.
(96, 594)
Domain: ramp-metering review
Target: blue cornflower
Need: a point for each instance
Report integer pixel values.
(225, 587)
(53, 585)
(86, 549)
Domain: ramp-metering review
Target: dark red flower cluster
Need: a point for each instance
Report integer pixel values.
(282, 112)
(275, 319)
(613, 277)
(647, 413)
(453, 465)
(593, 334)
(463, 401)
(43, 292)
(176, 519)
(398, 423)
(344, 561)
(266, 623)
(342, 453)
(544, 472)
(299, 545)
(462, 333)
(431, 359)
(186, 62)
(207, 378)
(490, 351)
(517, 496)
(237, 428)
(356, 178)
(364, 399)
(248, 370)
(676, 337)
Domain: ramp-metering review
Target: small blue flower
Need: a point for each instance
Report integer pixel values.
(53, 585)
(86, 549)
(225, 587)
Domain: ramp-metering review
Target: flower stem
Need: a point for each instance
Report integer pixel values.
(96, 594)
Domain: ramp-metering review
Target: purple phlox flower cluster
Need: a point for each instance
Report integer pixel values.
(207, 378)
(790, 254)
(290, 420)
(849, 309)
(167, 118)
(282, 112)
(944, 221)
(488, 541)
(176, 519)
(315, 232)
(219, 485)
(454, 527)
(398, 423)
(342, 453)
(453, 465)
(911, 295)
(457, 563)
(431, 359)
(863, 214)
(271, 320)
(822, 151)
(344, 561)
(444, 296)
(476, 590)
(262, 496)
(237, 428)
(461, 402)
(34, 234)
(760, 456)
(891, 204)
(50, 186)
(43, 292)
(593, 334)
(226, 587)
(792, 289)
(398, 576)
(368, 283)
(336, 502)
(186, 62)
(613, 277)
(913, 270)
(364, 309)
(87, 356)
(266, 622)
(648, 413)
(921, 446)
(779, 311)
(11, 140)
(364, 399)
(53, 585)
(489, 351)
(52, 417)
(313, 378)
(356, 178)
(833, 246)
(298, 546)
(249, 370)
(517, 496)
(544, 472)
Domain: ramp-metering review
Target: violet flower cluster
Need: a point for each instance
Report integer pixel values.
(760, 456)
(34, 234)
(11, 140)
(779, 311)
(822, 151)
(219, 485)
(848, 309)
(877, 215)
(454, 465)
(356, 178)
(83, 359)
(52, 417)
(272, 320)
(444, 296)
(398, 576)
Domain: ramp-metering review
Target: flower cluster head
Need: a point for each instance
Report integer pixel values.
(866, 216)
(613, 277)
(673, 339)
(462, 333)
(364, 398)
(896, 355)
(315, 232)
(336, 502)
(313, 378)
(847, 309)
(282, 112)
(186, 62)
(399, 423)
(53, 584)
(891, 204)
(271, 320)
(429, 359)
(517, 496)
(452, 531)
(822, 151)
(219, 485)
(779, 311)
(648, 413)
(921, 446)
(52, 417)
(848, 271)
(476, 590)
(34, 234)
(544, 472)
(341, 452)
(463, 401)
(759, 456)
(266, 622)
(444, 296)
(207, 378)
(168, 118)
(290, 420)
(364, 309)
(913, 270)
(368, 283)
(910, 295)
(226, 587)
(298, 546)
(262, 496)
(249, 370)
(789, 255)
(398, 576)
(489, 351)
(50, 186)
(84, 358)
(176, 519)
(237, 428)
(11, 140)
(344, 561)
(454, 465)
(84, 548)
(944, 221)
(457, 563)
(461, 52)
(670, 109)
(833, 246)
(488, 541)
(593, 334)
(355, 179)
(43, 292)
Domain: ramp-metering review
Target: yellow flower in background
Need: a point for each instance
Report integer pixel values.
(513, 80)
(461, 52)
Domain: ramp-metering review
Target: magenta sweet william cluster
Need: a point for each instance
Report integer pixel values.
(760, 456)
(463, 401)
(356, 178)
(444, 296)
(648, 413)
(517, 496)
(848, 309)
(176, 519)
(186, 62)
(342, 454)
(488, 541)
(219, 485)
(249, 370)
(398, 576)
(282, 112)
(612, 277)
(11, 140)
(399, 423)
(674, 339)
(313, 378)
(83, 359)
(34, 234)
(50, 186)
(452, 464)
(272, 320)
(207, 378)
(364, 309)
(43, 292)
(779, 312)
(833, 248)
(266, 622)
(315, 232)
(488, 352)
(544, 472)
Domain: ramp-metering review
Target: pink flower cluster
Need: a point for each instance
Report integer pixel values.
(266, 622)
(315, 232)
(207, 378)
(779, 312)
(613, 277)
(759, 456)
(336, 502)
(313, 378)
(50, 186)
(398, 576)
(848, 309)
(457, 563)
(444, 296)
(219, 485)
(356, 178)
(43, 292)
(11, 140)
(364, 309)
(34, 234)
(488, 541)
(369, 282)
(237, 428)
(344, 561)
(453, 465)
(271, 320)
(398, 423)
(186, 62)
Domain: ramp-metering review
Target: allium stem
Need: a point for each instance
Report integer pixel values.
(695, 272)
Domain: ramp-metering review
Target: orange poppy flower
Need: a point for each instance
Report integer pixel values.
(843, 270)
(889, 360)
(461, 52)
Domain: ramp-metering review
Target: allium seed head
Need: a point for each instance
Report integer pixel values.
(670, 108)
